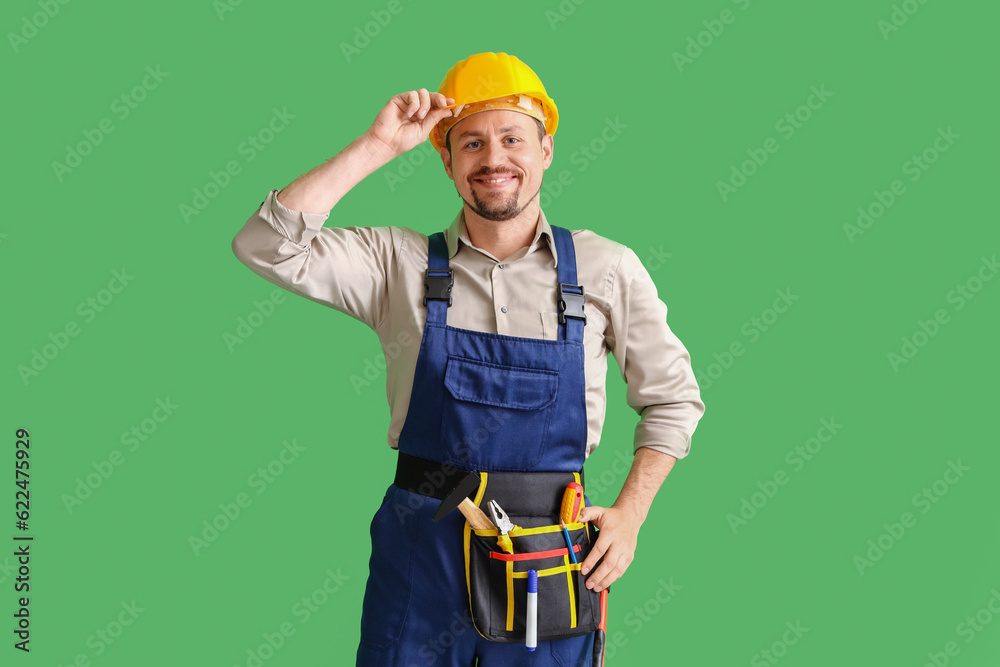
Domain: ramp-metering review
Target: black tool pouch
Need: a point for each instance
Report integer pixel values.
(498, 580)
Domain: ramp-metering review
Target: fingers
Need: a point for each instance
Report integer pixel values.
(441, 101)
(419, 104)
(613, 543)
(412, 99)
(425, 103)
(613, 567)
(593, 514)
(595, 555)
(600, 578)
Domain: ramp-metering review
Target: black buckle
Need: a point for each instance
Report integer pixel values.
(571, 303)
(439, 287)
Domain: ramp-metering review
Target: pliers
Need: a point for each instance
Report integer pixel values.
(504, 525)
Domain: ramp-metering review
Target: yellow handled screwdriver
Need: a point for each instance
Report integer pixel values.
(572, 503)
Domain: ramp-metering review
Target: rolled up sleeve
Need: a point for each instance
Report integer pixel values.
(654, 363)
(345, 268)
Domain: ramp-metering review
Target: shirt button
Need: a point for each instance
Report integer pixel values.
(503, 309)
(501, 266)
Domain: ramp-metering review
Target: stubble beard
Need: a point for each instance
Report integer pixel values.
(497, 209)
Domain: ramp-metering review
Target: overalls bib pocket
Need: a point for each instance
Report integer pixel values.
(488, 407)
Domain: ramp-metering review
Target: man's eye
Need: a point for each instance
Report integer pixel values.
(514, 138)
(469, 145)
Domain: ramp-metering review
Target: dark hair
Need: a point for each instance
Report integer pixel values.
(541, 133)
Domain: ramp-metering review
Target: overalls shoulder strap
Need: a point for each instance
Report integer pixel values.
(439, 280)
(569, 295)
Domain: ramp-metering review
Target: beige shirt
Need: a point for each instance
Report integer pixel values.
(375, 274)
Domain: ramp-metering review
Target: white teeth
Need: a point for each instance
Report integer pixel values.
(499, 180)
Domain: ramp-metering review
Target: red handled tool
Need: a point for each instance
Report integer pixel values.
(600, 638)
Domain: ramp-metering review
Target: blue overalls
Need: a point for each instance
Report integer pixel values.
(484, 402)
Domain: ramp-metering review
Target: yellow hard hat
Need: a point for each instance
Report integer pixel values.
(488, 81)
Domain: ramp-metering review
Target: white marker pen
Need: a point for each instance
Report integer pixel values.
(531, 635)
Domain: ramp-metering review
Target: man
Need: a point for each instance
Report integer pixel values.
(515, 318)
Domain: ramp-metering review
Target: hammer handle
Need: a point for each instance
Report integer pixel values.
(475, 516)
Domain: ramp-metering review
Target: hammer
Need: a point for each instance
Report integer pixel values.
(459, 498)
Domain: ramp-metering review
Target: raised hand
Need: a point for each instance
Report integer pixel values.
(406, 120)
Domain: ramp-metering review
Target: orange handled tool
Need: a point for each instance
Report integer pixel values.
(572, 503)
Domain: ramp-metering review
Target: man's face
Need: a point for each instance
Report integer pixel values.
(498, 145)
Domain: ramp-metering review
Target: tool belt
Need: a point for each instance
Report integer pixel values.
(497, 579)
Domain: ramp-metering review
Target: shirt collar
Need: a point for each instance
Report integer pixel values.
(458, 231)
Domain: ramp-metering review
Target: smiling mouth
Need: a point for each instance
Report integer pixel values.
(496, 180)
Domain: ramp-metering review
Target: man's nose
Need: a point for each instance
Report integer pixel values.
(493, 154)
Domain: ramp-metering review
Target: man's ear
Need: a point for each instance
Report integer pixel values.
(548, 150)
(446, 160)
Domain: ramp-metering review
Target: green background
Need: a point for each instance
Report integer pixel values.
(655, 188)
